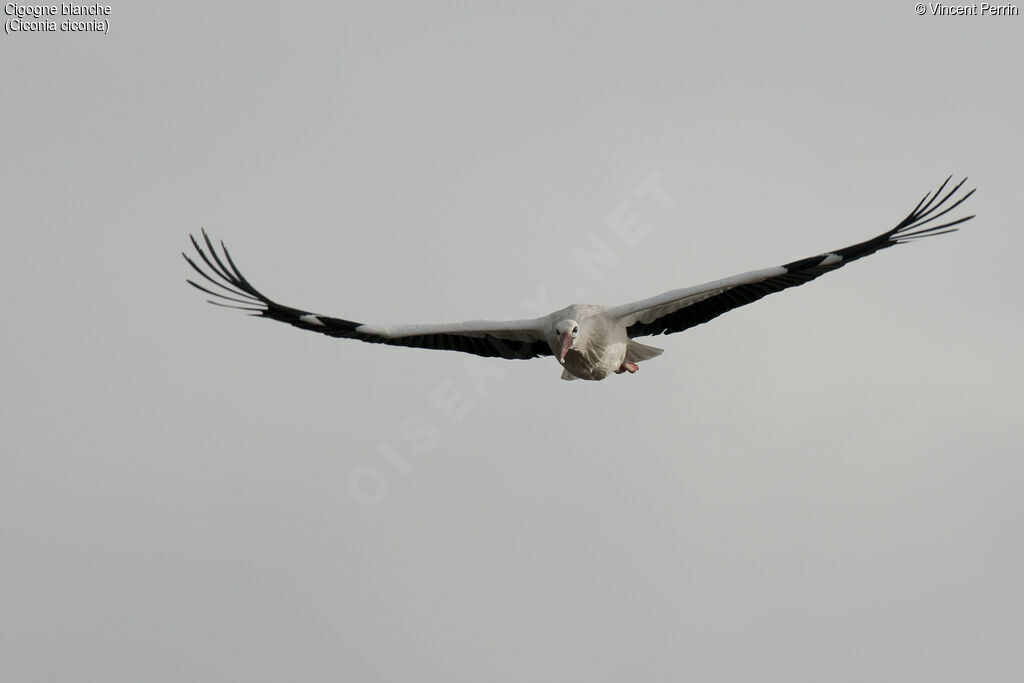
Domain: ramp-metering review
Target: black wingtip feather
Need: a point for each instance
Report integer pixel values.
(223, 278)
(927, 211)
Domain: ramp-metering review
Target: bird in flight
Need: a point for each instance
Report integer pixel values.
(590, 342)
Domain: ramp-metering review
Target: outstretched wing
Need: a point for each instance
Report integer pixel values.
(682, 309)
(513, 339)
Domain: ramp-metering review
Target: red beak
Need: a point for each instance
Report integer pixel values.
(566, 345)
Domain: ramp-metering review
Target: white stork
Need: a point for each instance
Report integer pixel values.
(590, 342)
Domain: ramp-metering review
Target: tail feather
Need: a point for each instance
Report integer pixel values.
(637, 352)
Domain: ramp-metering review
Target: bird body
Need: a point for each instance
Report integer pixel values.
(600, 347)
(590, 342)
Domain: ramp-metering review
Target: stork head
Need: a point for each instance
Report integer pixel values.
(567, 332)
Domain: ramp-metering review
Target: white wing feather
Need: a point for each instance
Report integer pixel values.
(515, 330)
(648, 310)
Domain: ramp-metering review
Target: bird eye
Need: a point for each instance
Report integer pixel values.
(575, 329)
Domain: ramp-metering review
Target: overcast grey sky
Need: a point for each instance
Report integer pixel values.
(825, 485)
